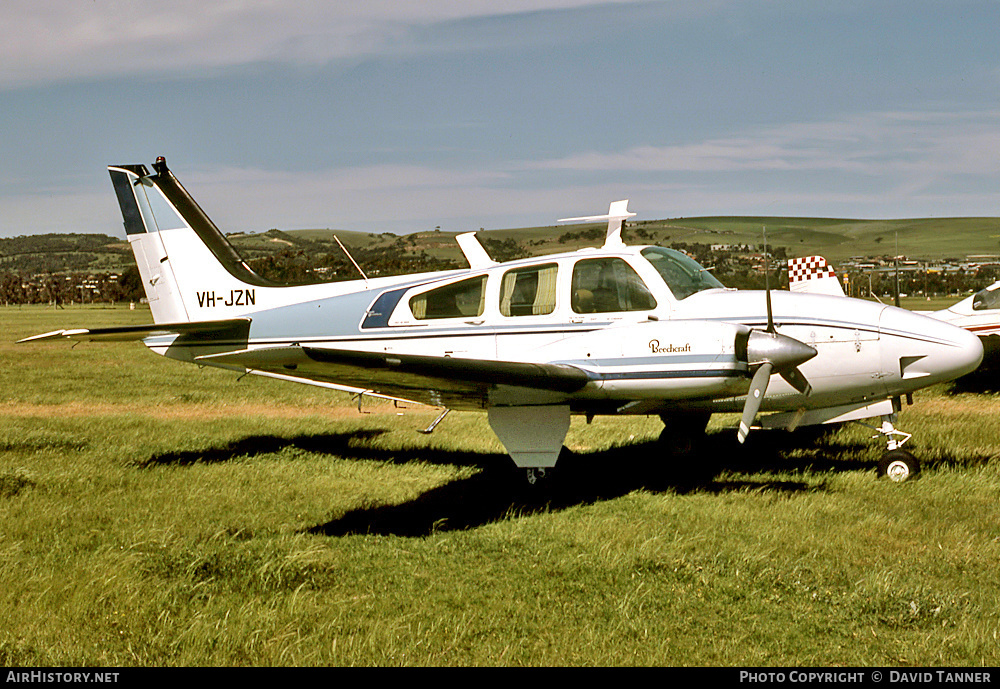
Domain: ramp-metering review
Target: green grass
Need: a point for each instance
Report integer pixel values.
(153, 513)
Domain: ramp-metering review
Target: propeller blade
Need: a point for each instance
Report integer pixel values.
(798, 381)
(758, 386)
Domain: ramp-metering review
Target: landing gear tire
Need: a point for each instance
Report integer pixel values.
(899, 466)
(684, 461)
(683, 434)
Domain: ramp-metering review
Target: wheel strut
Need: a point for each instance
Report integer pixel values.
(535, 474)
(894, 438)
(896, 464)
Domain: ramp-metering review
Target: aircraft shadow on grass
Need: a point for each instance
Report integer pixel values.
(499, 490)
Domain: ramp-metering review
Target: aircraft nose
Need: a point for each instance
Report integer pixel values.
(924, 348)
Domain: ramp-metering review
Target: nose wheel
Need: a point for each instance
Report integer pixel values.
(896, 465)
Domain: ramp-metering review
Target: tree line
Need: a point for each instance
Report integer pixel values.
(296, 265)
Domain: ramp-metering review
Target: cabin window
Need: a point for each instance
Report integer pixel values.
(457, 300)
(683, 275)
(986, 300)
(601, 285)
(529, 291)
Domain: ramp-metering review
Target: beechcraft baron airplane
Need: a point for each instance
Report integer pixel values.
(616, 330)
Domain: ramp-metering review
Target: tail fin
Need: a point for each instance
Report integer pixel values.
(812, 274)
(189, 270)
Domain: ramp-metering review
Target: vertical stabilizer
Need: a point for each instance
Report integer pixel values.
(813, 275)
(189, 270)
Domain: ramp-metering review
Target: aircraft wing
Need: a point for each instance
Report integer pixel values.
(234, 327)
(438, 381)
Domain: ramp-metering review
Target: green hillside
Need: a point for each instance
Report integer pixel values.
(64, 253)
(837, 239)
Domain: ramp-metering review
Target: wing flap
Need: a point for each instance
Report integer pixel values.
(439, 381)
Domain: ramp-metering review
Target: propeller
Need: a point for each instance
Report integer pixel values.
(771, 352)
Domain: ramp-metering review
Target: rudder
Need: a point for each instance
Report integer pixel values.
(142, 232)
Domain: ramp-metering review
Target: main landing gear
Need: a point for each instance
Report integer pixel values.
(682, 442)
(536, 475)
(896, 465)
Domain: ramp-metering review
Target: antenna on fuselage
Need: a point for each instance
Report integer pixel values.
(767, 285)
(351, 259)
(896, 262)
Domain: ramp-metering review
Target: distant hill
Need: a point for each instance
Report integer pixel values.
(306, 249)
(64, 253)
(839, 239)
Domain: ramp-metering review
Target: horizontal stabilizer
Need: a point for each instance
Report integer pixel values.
(618, 210)
(207, 330)
(618, 213)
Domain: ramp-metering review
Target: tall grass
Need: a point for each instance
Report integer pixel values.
(153, 513)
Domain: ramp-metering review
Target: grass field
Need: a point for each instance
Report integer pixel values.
(157, 514)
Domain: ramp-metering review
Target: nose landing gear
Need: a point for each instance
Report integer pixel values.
(896, 465)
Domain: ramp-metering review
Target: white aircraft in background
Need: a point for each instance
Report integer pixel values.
(979, 314)
(613, 330)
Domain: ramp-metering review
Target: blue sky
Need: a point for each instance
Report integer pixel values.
(403, 116)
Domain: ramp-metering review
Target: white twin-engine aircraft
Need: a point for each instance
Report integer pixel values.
(615, 330)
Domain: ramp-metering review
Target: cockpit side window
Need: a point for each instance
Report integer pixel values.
(603, 285)
(683, 275)
(457, 300)
(986, 300)
(529, 291)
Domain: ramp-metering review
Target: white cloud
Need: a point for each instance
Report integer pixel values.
(893, 164)
(67, 39)
(392, 198)
(876, 165)
(874, 144)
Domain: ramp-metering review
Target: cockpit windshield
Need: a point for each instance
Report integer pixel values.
(987, 299)
(682, 274)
